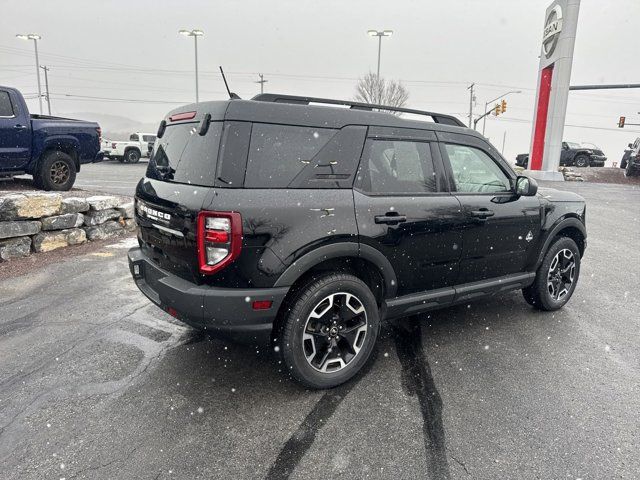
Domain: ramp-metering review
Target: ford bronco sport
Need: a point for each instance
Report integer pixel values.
(289, 219)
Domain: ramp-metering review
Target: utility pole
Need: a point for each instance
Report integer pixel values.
(262, 81)
(471, 99)
(504, 139)
(46, 86)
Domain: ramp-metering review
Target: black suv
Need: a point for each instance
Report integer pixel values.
(307, 225)
(573, 154)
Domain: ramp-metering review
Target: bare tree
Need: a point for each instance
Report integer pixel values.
(372, 89)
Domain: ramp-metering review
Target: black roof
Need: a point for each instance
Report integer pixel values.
(319, 112)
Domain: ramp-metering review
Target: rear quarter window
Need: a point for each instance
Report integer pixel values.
(279, 153)
(184, 156)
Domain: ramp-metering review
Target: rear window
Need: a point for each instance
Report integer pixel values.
(149, 138)
(279, 153)
(184, 156)
(6, 109)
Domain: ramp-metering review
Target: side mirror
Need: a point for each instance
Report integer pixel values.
(526, 187)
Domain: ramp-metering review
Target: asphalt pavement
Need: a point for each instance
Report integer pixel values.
(111, 176)
(97, 383)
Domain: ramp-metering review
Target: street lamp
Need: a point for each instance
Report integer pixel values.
(484, 121)
(379, 34)
(35, 37)
(195, 33)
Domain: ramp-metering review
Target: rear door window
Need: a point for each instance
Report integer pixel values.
(6, 108)
(279, 153)
(184, 156)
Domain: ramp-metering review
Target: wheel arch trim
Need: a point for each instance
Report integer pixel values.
(562, 224)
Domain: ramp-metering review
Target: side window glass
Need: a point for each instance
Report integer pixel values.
(134, 137)
(476, 172)
(6, 109)
(397, 166)
(278, 153)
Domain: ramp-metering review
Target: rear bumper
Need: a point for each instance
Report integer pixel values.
(225, 312)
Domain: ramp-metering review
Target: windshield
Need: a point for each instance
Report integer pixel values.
(184, 156)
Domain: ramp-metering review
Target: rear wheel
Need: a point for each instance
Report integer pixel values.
(556, 277)
(329, 331)
(56, 171)
(132, 156)
(582, 161)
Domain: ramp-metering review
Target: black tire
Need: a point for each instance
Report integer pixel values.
(297, 322)
(581, 161)
(132, 156)
(623, 163)
(541, 294)
(56, 171)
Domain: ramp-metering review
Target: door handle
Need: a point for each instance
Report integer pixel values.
(19, 127)
(390, 218)
(482, 214)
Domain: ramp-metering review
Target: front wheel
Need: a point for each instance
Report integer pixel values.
(329, 331)
(582, 161)
(132, 156)
(56, 171)
(556, 277)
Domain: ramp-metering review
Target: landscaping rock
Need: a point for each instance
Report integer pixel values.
(97, 217)
(126, 210)
(18, 229)
(75, 236)
(18, 206)
(106, 230)
(74, 205)
(60, 222)
(15, 247)
(47, 241)
(129, 224)
(103, 202)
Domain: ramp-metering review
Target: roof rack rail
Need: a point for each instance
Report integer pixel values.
(294, 99)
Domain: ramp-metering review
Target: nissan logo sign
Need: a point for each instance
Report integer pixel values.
(552, 29)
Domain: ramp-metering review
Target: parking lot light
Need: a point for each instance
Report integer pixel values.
(379, 34)
(195, 33)
(35, 37)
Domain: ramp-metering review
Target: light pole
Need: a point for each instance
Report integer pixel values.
(195, 33)
(484, 120)
(35, 37)
(379, 34)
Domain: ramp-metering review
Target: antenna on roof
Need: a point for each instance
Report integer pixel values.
(231, 94)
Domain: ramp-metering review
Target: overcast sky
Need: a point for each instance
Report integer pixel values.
(132, 50)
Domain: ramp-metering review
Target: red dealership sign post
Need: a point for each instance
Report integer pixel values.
(556, 58)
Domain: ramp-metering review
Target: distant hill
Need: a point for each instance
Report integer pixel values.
(115, 127)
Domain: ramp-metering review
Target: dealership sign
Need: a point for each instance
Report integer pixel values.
(552, 29)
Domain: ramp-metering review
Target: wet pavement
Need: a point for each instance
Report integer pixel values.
(97, 383)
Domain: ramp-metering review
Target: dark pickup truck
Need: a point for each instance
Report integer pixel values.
(49, 148)
(573, 154)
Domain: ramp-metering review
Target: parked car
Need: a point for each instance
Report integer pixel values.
(572, 154)
(131, 151)
(49, 148)
(282, 218)
(625, 156)
(632, 168)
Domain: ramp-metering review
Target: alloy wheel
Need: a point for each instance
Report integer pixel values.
(561, 274)
(335, 332)
(59, 172)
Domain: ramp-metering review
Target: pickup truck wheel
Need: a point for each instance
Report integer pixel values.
(329, 331)
(132, 156)
(56, 171)
(556, 277)
(582, 161)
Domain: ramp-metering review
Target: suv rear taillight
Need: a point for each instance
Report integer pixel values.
(219, 240)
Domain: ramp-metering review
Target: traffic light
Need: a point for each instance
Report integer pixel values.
(504, 106)
(621, 122)
(496, 109)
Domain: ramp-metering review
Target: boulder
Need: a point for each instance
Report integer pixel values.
(129, 224)
(75, 236)
(74, 205)
(19, 206)
(60, 222)
(18, 229)
(15, 247)
(97, 217)
(47, 241)
(103, 202)
(126, 210)
(106, 230)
